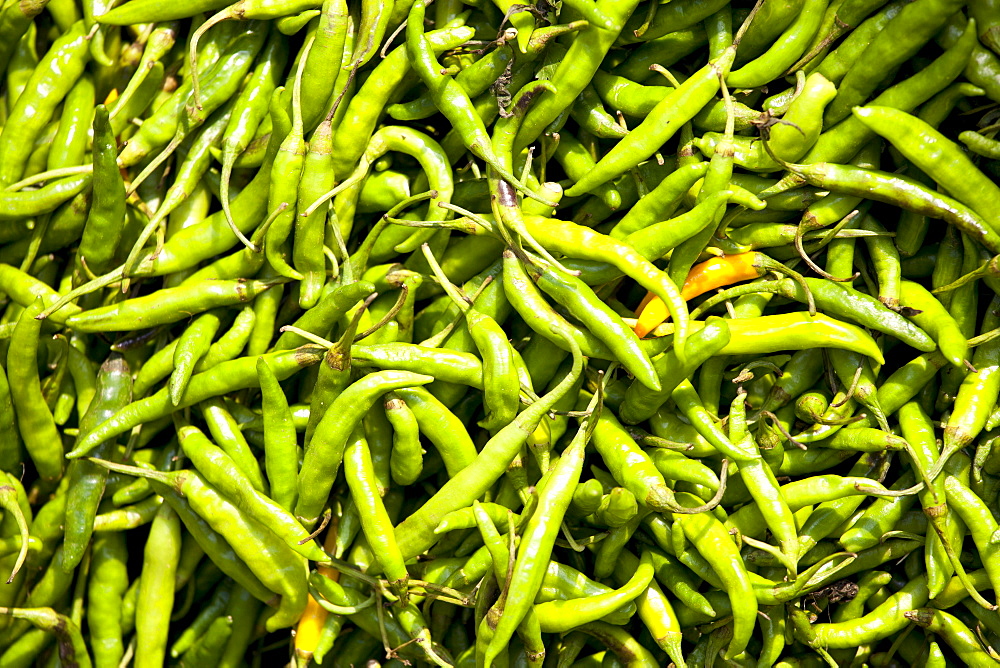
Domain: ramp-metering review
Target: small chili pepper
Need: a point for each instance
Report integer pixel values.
(785, 51)
(280, 442)
(159, 309)
(936, 321)
(415, 533)
(106, 588)
(883, 621)
(712, 541)
(640, 403)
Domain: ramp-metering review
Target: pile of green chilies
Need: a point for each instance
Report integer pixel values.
(567, 334)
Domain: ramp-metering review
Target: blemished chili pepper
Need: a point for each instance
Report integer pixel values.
(71, 640)
(903, 192)
(881, 622)
(930, 151)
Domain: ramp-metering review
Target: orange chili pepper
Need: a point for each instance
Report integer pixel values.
(310, 625)
(708, 275)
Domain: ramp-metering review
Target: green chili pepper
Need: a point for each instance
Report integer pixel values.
(326, 448)
(87, 481)
(156, 588)
(223, 378)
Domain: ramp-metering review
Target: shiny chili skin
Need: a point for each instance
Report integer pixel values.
(326, 450)
(658, 126)
(938, 156)
(936, 321)
(906, 193)
(788, 331)
(106, 220)
(703, 277)
(540, 533)
(279, 568)
(113, 392)
(415, 533)
(958, 636)
(49, 83)
(640, 403)
(34, 418)
(902, 37)
(223, 378)
(156, 587)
